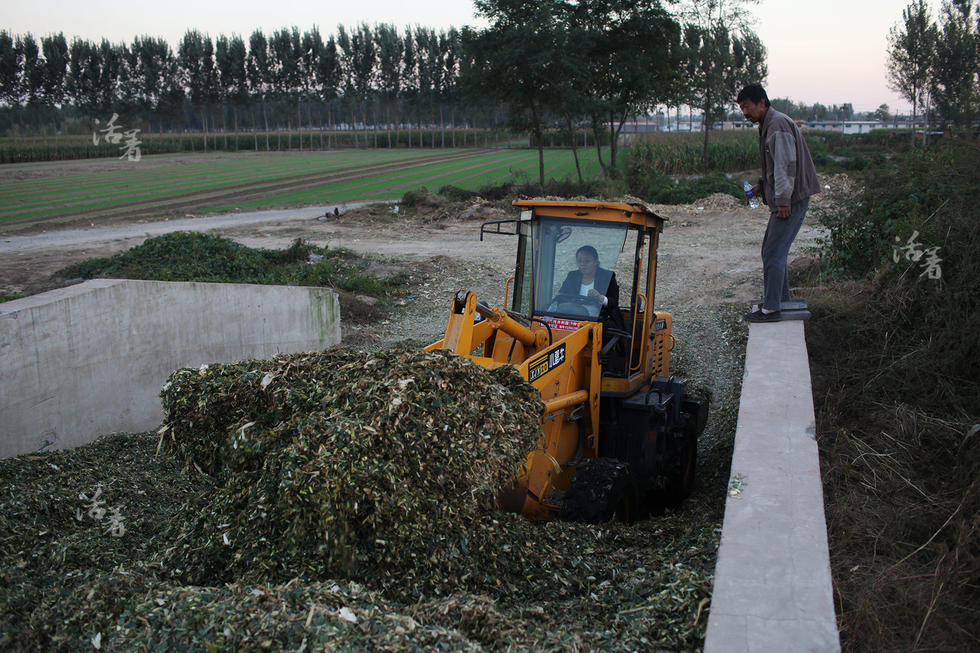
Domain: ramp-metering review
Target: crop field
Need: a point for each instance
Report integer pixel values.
(92, 191)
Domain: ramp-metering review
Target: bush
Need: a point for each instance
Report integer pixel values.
(662, 189)
(188, 256)
(893, 351)
(914, 229)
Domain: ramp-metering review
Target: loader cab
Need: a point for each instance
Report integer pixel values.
(552, 279)
(568, 277)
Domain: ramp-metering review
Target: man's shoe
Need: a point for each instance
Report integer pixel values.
(759, 316)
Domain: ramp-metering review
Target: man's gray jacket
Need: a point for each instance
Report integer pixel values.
(788, 174)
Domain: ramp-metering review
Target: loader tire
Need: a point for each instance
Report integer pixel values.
(681, 474)
(601, 489)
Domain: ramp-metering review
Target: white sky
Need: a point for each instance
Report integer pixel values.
(832, 51)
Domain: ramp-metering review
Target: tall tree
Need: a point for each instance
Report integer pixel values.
(197, 73)
(911, 49)
(9, 69)
(427, 68)
(633, 55)
(311, 48)
(723, 54)
(389, 47)
(410, 79)
(31, 83)
(957, 62)
(514, 60)
(362, 58)
(260, 75)
(84, 68)
(230, 55)
(328, 71)
(55, 50)
(449, 54)
(151, 63)
(284, 46)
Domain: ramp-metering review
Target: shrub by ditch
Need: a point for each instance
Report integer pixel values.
(663, 189)
(189, 256)
(893, 350)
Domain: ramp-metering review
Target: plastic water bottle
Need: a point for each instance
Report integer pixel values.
(750, 195)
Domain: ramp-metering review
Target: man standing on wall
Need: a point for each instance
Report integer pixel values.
(788, 180)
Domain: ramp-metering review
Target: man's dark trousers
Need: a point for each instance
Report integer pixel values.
(775, 251)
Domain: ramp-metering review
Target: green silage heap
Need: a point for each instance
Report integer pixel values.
(377, 466)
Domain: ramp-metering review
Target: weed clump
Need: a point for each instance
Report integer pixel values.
(893, 346)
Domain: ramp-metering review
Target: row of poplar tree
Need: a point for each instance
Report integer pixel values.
(936, 65)
(540, 64)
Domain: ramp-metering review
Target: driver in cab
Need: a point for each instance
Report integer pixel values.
(594, 283)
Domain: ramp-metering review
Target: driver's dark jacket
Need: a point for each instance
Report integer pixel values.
(603, 279)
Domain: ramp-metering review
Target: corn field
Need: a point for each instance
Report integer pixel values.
(680, 154)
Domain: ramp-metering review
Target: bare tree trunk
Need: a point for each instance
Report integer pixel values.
(204, 128)
(913, 120)
(265, 118)
(612, 142)
(597, 132)
(571, 134)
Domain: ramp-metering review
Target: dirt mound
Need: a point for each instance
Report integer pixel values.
(345, 464)
(834, 191)
(717, 202)
(482, 210)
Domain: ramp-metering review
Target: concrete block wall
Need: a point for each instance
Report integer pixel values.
(80, 362)
(772, 589)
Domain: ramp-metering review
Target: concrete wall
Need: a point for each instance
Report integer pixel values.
(772, 588)
(83, 361)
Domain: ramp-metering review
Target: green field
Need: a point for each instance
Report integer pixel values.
(206, 184)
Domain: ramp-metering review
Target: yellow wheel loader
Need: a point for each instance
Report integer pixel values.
(618, 433)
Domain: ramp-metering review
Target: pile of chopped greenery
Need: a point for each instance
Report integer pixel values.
(67, 519)
(192, 256)
(379, 467)
(356, 492)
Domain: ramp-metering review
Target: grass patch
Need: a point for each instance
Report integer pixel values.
(346, 176)
(189, 256)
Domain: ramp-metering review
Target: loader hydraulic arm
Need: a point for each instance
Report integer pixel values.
(464, 333)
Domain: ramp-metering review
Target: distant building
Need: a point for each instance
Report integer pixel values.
(733, 124)
(640, 127)
(844, 126)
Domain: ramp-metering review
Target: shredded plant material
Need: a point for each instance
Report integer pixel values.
(343, 464)
(340, 500)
